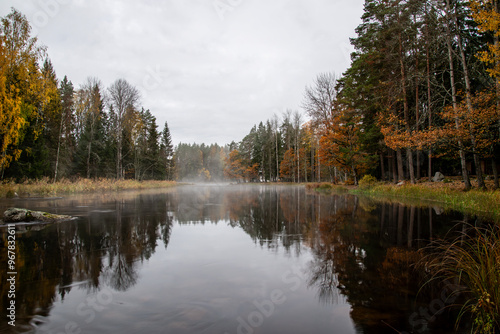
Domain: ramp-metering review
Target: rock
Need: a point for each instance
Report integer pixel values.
(16, 215)
(439, 211)
(438, 177)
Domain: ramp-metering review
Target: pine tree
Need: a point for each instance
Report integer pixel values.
(168, 152)
(65, 140)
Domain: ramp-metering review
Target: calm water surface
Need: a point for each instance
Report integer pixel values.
(223, 259)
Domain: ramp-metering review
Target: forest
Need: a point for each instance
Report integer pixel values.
(49, 128)
(421, 95)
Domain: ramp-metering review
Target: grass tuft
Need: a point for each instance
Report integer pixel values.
(472, 260)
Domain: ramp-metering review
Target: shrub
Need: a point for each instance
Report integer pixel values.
(367, 182)
(325, 186)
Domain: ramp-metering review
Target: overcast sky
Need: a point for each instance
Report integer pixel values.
(211, 68)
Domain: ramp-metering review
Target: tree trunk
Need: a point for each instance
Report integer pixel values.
(88, 158)
(399, 157)
(463, 161)
(477, 159)
(495, 173)
(497, 86)
(405, 107)
(382, 169)
(58, 148)
(417, 101)
(429, 96)
(394, 169)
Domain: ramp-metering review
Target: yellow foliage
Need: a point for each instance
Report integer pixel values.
(22, 90)
(486, 15)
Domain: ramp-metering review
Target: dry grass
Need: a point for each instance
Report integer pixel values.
(472, 259)
(44, 187)
(450, 195)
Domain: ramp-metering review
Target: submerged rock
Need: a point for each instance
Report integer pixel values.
(16, 215)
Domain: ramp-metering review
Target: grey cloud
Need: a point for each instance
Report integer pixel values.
(211, 77)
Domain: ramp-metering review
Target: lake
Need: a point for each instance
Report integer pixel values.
(224, 259)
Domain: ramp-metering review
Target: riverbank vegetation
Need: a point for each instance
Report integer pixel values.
(450, 195)
(45, 187)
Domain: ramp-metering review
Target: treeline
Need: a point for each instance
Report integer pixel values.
(200, 162)
(421, 95)
(50, 129)
(281, 149)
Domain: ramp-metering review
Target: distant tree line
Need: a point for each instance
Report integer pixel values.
(49, 128)
(200, 162)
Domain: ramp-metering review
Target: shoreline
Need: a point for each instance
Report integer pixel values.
(451, 196)
(44, 187)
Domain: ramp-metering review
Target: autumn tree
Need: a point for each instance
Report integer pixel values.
(486, 14)
(341, 144)
(11, 119)
(287, 165)
(21, 93)
(473, 123)
(234, 169)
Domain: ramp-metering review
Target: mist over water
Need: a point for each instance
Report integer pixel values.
(223, 258)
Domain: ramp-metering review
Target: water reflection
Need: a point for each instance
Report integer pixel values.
(357, 251)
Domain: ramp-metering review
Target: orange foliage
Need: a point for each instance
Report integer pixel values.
(234, 168)
(287, 165)
(473, 128)
(340, 143)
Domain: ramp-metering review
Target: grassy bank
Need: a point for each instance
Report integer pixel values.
(45, 187)
(449, 195)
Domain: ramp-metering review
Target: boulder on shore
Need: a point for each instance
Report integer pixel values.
(438, 177)
(16, 215)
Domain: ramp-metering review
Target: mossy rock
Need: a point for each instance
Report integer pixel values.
(16, 215)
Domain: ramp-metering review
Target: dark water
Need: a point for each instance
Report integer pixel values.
(223, 259)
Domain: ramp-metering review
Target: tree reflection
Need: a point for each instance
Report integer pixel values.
(361, 250)
(102, 247)
(365, 253)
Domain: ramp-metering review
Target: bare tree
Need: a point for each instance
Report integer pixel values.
(319, 99)
(124, 98)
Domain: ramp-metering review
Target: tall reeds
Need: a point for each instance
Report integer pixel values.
(472, 260)
(45, 187)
